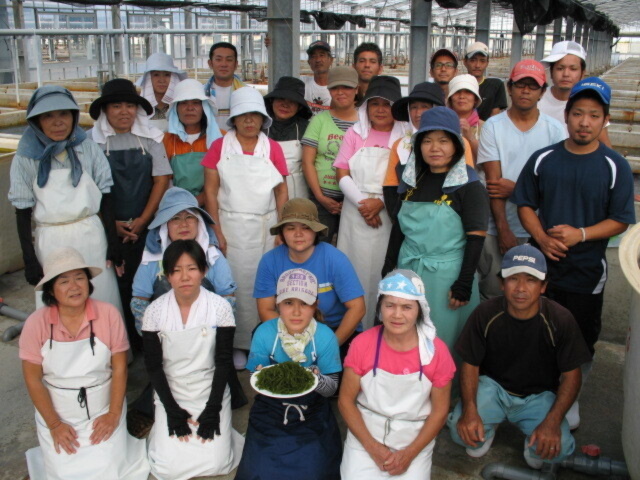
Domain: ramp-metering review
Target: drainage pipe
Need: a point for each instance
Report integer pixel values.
(13, 331)
(500, 470)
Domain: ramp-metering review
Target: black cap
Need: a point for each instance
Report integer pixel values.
(321, 44)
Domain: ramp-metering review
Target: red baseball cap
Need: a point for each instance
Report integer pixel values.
(529, 68)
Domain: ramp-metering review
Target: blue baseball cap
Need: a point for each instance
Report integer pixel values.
(524, 259)
(597, 85)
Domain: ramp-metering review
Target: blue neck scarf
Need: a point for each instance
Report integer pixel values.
(35, 144)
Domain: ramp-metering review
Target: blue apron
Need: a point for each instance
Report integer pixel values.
(291, 439)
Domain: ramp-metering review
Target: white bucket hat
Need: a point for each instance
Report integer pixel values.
(190, 89)
(562, 49)
(465, 82)
(64, 260)
(161, 62)
(246, 100)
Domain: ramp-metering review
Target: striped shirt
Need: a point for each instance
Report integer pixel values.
(24, 172)
(341, 124)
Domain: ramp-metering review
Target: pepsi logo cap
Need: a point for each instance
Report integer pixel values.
(524, 259)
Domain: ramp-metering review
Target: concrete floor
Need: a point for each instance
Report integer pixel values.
(601, 408)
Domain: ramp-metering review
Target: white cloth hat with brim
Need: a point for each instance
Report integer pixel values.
(161, 62)
(191, 89)
(465, 82)
(562, 49)
(247, 100)
(64, 260)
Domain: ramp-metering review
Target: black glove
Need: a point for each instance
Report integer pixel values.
(176, 416)
(209, 419)
(32, 268)
(114, 252)
(461, 288)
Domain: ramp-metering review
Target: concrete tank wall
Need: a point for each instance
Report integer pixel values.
(10, 252)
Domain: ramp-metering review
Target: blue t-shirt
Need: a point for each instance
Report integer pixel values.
(337, 280)
(324, 343)
(219, 275)
(577, 190)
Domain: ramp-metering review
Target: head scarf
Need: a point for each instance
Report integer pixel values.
(35, 144)
(102, 129)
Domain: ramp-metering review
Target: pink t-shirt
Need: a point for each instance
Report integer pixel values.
(107, 326)
(352, 142)
(362, 354)
(212, 157)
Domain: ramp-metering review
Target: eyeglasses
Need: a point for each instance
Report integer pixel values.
(189, 218)
(444, 65)
(531, 86)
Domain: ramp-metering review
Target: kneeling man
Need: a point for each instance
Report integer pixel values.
(521, 357)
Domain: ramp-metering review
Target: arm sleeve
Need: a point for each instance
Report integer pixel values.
(391, 177)
(221, 277)
(32, 338)
(212, 157)
(461, 288)
(351, 190)
(101, 173)
(328, 351)
(260, 348)
(526, 192)
(114, 251)
(347, 149)
(355, 355)
(312, 133)
(144, 278)
(471, 344)
(621, 205)
(32, 268)
(266, 277)
(393, 249)
(487, 148)
(327, 384)
(160, 161)
(277, 158)
(21, 183)
(501, 97)
(475, 208)
(572, 350)
(345, 279)
(119, 342)
(138, 307)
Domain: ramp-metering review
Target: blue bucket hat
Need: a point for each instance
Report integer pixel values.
(174, 201)
(594, 84)
(50, 98)
(439, 118)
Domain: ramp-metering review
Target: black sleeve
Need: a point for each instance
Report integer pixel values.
(471, 344)
(32, 268)
(209, 419)
(501, 96)
(393, 249)
(109, 220)
(176, 416)
(461, 288)
(475, 207)
(572, 350)
(391, 201)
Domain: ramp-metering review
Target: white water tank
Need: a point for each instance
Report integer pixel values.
(629, 254)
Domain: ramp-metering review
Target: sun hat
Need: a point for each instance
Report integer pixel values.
(439, 118)
(50, 98)
(247, 100)
(161, 62)
(343, 76)
(465, 82)
(476, 47)
(64, 260)
(174, 201)
(118, 90)
(562, 49)
(595, 84)
(289, 88)
(301, 210)
(444, 51)
(189, 89)
(426, 92)
(319, 44)
(529, 68)
(297, 283)
(383, 86)
(524, 259)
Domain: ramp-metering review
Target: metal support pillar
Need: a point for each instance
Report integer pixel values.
(284, 30)
(6, 62)
(585, 36)
(541, 38)
(323, 36)
(483, 21)
(22, 50)
(557, 30)
(118, 46)
(396, 38)
(577, 37)
(569, 34)
(420, 41)
(516, 45)
(244, 40)
(190, 44)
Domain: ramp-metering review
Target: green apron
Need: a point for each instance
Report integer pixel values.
(433, 248)
(187, 171)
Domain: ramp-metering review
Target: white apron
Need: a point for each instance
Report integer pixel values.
(247, 210)
(394, 409)
(296, 183)
(67, 367)
(67, 217)
(188, 364)
(366, 247)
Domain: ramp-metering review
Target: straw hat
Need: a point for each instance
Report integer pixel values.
(64, 260)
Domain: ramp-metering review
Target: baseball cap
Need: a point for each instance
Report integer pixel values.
(297, 283)
(477, 47)
(524, 259)
(321, 44)
(444, 51)
(343, 77)
(529, 68)
(593, 83)
(562, 49)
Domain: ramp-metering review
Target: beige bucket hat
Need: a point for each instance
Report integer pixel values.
(300, 210)
(64, 260)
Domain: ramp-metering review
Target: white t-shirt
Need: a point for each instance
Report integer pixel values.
(317, 96)
(223, 98)
(550, 105)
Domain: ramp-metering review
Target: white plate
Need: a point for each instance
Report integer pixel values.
(267, 393)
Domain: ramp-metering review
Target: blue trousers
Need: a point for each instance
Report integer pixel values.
(495, 405)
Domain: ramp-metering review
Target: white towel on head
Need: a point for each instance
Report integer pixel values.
(147, 90)
(102, 129)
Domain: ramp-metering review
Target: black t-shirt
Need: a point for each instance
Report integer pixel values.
(494, 95)
(524, 356)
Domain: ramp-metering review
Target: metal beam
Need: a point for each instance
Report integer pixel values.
(541, 38)
(569, 34)
(284, 30)
(516, 44)
(420, 41)
(483, 21)
(557, 30)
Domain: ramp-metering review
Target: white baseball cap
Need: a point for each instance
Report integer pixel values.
(476, 47)
(562, 49)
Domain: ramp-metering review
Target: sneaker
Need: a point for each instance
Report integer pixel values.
(573, 416)
(482, 450)
(533, 462)
(239, 359)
